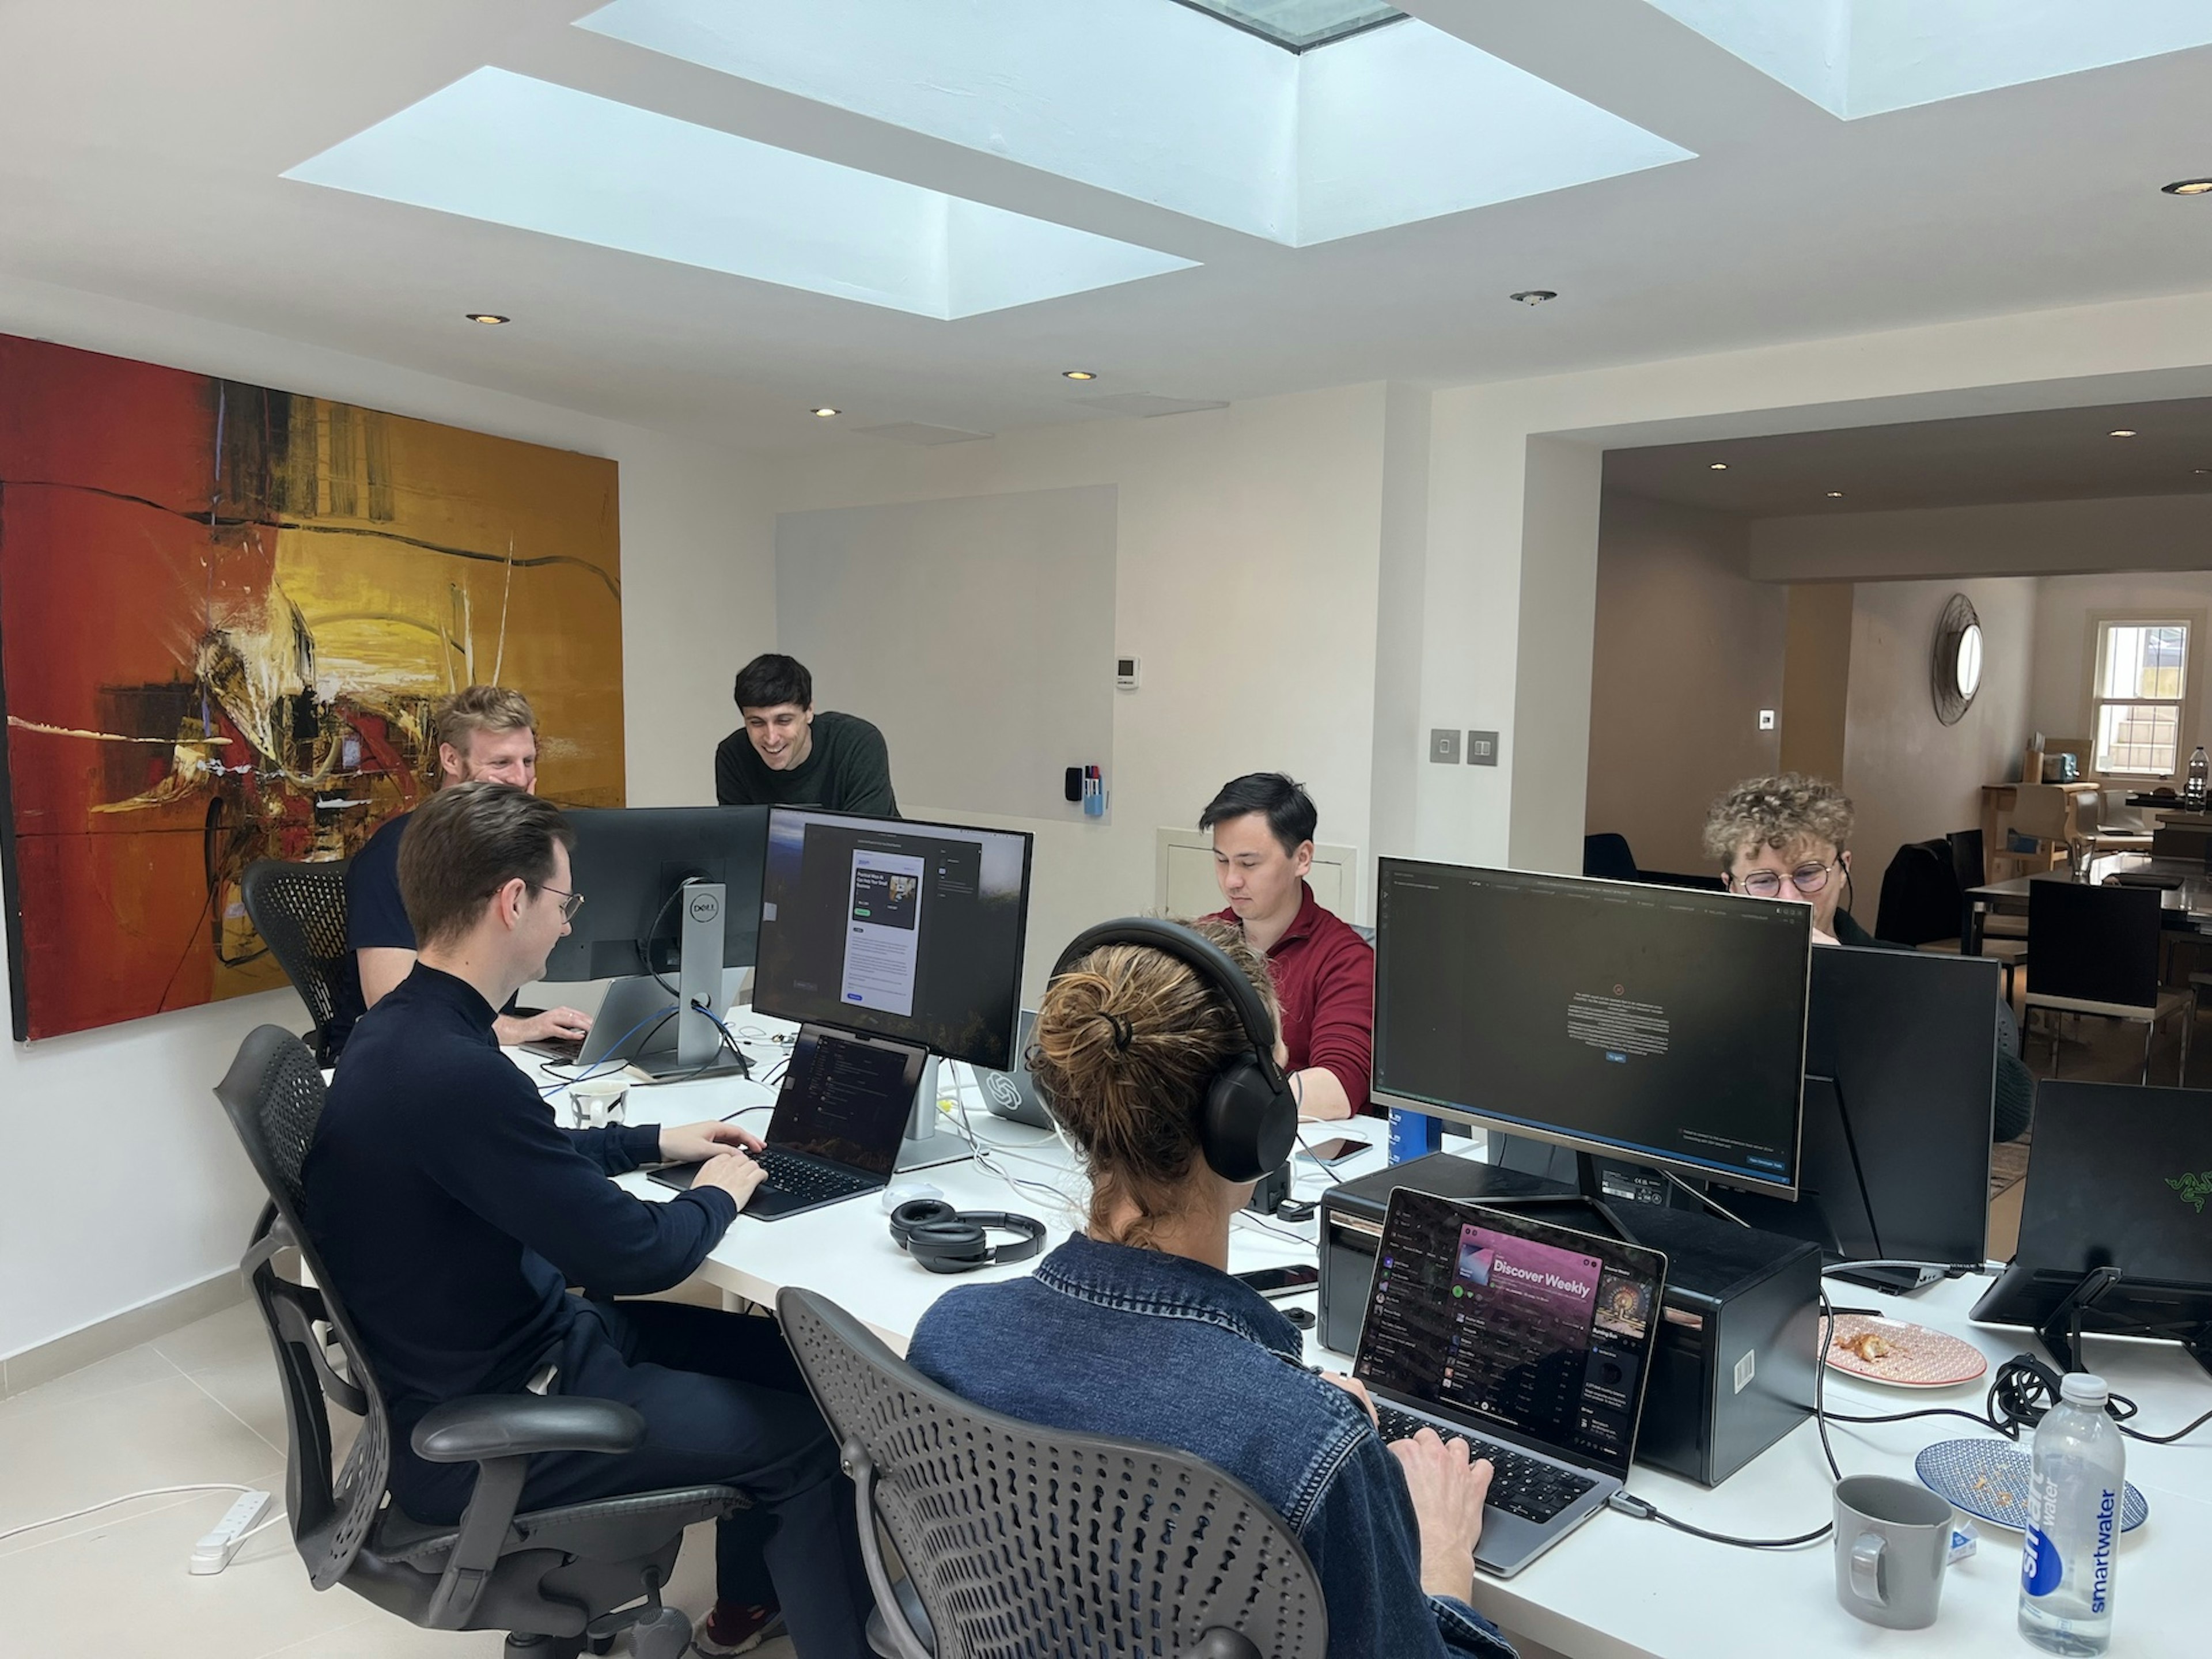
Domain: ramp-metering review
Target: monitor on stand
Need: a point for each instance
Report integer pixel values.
(1659, 1027)
(897, 932)
(1900, 1064)
(672, 898)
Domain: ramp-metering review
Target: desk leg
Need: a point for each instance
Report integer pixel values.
(1970, 930)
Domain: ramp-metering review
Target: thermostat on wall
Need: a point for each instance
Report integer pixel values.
(1126, 672)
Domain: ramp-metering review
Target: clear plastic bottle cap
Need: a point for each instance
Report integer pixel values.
(2084, 1389)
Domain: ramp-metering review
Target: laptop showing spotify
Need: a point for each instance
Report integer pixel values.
(1531, 1341)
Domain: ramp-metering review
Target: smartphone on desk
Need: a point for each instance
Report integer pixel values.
(1282, 1281)
(1333, 1151)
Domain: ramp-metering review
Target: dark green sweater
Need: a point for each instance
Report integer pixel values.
(848, 770)
(2015, 1090)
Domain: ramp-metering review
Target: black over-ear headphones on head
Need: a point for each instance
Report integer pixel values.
(1248, 1119)
(944, 1240)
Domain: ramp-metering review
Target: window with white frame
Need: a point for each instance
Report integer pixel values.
(2136, 697)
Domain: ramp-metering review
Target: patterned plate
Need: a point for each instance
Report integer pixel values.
(1988, 1478)
(1906, 1355)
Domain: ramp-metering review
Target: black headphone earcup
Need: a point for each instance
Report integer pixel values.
(1247, 1126)
(917, 1213)
(949, 1247)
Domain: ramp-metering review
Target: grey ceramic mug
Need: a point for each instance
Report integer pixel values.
(1892, 1538)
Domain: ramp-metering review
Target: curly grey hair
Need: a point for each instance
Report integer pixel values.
(1780, 812)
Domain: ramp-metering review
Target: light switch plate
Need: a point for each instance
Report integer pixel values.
(1767, 720)
(1482, 749)
(1444, 746)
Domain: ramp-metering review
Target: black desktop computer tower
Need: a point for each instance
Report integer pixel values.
(1733, 1371)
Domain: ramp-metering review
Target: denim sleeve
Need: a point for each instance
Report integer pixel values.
(1365, 1544)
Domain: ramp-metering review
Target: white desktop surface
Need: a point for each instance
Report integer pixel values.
(1617, 1587)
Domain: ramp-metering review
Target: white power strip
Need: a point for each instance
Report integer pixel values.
(213, 1553)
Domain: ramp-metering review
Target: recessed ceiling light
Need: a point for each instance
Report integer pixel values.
(2188, 187)
(826, 413)
(1079, 373)
(1720, 466)
(489, 318)
(1534, 296)
(1835, 494)
(2121, 432)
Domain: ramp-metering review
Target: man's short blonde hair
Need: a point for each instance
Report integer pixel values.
(1780, 812)
(474, 708)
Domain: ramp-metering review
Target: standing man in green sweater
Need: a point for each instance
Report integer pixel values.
(787, 755)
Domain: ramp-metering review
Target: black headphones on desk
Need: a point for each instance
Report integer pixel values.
(1247, 1121)
(943, 1240)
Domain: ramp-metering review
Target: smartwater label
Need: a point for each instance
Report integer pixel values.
(2040, 1569)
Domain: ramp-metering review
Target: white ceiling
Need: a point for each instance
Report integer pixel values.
(2041, 455)
(142, 141)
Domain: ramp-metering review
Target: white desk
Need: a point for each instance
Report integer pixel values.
(1617, 1587)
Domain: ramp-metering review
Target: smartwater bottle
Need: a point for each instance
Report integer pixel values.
(2074, 1497)
(2199, 771)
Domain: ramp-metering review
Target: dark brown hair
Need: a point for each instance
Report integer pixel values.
(771, 680)
(463, 844)
(1125, 1043)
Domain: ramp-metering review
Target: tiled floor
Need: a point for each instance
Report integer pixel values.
(200, 1405)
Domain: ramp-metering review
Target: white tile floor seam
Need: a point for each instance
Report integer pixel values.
(200, 1404)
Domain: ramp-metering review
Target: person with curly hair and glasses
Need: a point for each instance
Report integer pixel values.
(1787, 838)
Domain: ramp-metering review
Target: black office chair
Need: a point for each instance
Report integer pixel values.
(1039, 1541)
(553, 1579)
(300, 911)
(2097, 952)
(1609, 857)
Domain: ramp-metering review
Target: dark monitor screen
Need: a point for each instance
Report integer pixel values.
(1654, 1024)
(1538, 1330)
(629, 860)
(846, 1099)
(908, 931)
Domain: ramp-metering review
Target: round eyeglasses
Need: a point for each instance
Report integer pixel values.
(1807, 878)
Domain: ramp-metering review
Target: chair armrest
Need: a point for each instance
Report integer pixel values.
(489, 1426)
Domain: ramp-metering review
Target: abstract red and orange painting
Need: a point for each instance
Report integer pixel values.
(225, 614)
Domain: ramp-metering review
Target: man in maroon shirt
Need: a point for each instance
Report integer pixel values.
(1263, 828)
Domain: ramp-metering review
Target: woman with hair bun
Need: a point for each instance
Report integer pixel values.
(1134, 1328)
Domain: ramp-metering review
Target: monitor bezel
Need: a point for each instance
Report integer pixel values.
(1730, 1176)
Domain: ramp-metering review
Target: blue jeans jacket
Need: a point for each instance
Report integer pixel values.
(1145, 1345)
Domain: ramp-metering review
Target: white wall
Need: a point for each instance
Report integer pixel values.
(1247, 570)
(2065, 644)
(1911, 776)
(1688, 650)
(123, 1183)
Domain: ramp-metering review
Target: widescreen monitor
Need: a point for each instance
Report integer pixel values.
(1657, 1024)
(627, 863)
(902, 930)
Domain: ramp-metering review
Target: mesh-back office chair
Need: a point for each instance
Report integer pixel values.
(300, 911)
(1032, 1543)
(2097, 952)
(551, 1579)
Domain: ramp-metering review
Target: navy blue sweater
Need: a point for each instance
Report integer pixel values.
(452, 1211)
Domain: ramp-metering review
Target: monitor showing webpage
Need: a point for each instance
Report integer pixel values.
(904, 930)
(1664, 1024)
(1539, 1332)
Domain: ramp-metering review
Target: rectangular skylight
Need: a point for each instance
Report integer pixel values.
(1157, 101)
(512, 150)
(1299, 25)
(1859, 58)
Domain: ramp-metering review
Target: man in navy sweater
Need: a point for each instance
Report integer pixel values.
(452, 1212)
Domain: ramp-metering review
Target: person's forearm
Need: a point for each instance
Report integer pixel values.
(1321, 1095)
(1454, 1578)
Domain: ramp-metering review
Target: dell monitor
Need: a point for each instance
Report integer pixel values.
(1660, 1025)
(633, 866)
(893, 929)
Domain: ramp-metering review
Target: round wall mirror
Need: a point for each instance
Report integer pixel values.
(1956, 672)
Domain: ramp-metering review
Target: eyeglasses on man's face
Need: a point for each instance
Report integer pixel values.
(570, 903)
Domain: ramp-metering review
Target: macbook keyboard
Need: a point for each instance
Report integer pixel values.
(803, 1178)
(1523, 1485)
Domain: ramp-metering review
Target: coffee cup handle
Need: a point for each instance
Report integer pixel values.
(1866, 1569)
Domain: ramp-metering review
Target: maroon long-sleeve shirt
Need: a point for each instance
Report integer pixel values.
(1325, 980)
